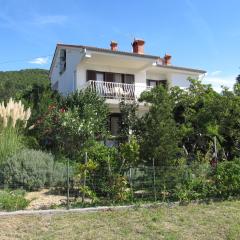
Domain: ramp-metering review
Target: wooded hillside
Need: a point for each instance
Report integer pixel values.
(13, 83)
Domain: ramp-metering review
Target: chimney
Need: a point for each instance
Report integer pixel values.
(138, 46)
(167, 59)
(114, 46)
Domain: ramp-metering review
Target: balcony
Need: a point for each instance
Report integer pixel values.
(113, 90)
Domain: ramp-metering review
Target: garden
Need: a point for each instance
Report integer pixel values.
(53, 152)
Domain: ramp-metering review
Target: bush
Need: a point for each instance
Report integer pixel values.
(13, 200)
(227, 178)
(10, 141)
(59, 174)
(32, 170)
(193, 182)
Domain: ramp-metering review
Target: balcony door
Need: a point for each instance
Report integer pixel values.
(100, 76)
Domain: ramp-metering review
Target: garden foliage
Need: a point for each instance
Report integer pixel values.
(186, 147)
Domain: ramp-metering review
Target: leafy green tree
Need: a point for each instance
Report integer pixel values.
(38, 97)
(236, 87)
(14, 83)
(229, 124)
(203, 115)
(129, 118)
(76, 120)
(157, 132)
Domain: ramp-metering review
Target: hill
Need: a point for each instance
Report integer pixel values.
(13, 83)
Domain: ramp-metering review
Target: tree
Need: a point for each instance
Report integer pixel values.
(157, 132)
(68, 126)
(236, 87)
(14, 83)
(238, 79)
(197, 112)
(129, 118)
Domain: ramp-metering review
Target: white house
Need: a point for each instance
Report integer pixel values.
(115, 74)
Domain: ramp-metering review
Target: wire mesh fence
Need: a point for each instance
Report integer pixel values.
(100, 186)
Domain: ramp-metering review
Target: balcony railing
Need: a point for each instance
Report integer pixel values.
(113, 90)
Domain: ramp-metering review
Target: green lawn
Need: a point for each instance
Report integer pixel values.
(213, 221)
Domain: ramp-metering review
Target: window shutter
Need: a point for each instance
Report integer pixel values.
(109, 77)
(91, 75)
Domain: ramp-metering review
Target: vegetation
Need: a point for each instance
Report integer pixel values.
(15, 83)
(11, 142)
(196, 221)
(13, 200)
(31, 170)
(186, 147)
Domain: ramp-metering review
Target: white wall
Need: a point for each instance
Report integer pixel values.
(77, 66)
(180, 79)
(66, 79)
(156, 76)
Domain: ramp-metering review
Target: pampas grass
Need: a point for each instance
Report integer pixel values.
(12, 113)
(12, 116)
(10, 143)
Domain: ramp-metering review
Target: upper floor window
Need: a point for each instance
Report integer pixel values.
(62, 60)
(110, 77)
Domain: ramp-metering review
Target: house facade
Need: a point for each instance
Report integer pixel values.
(115, 74)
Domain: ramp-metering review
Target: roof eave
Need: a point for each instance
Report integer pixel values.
(192, 70)
(109, 51)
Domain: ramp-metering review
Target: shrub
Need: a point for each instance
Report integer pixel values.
(10, 141)
(13, 200)
(193, 182)
(129, 152)
(32, 170)
(227, 178)
(59, 174)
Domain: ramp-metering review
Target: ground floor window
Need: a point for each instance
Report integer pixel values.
(154, 83)
(115, 124)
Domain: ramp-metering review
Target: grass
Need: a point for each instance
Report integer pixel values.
(213, 221)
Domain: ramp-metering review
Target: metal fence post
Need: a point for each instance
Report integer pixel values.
(130, 181)
(154, 181)
(84, 178)
(68, 187)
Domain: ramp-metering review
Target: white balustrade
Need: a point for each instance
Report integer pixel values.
(114, 90)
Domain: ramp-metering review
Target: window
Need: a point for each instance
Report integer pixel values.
(154, 83)
(100, 76)
(110, 77)
(62, 60)
(129, 78)
(91, 75)
(118, 78)
(115, 123)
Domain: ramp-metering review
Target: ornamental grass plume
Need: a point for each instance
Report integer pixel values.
(14, 112)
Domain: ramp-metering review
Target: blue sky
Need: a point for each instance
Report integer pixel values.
(197, 33)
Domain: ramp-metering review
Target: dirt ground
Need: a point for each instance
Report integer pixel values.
(44, 199)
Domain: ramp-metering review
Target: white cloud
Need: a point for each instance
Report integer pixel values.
(50, 19)
(216, 73)
(40, 60)
(219, 80)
